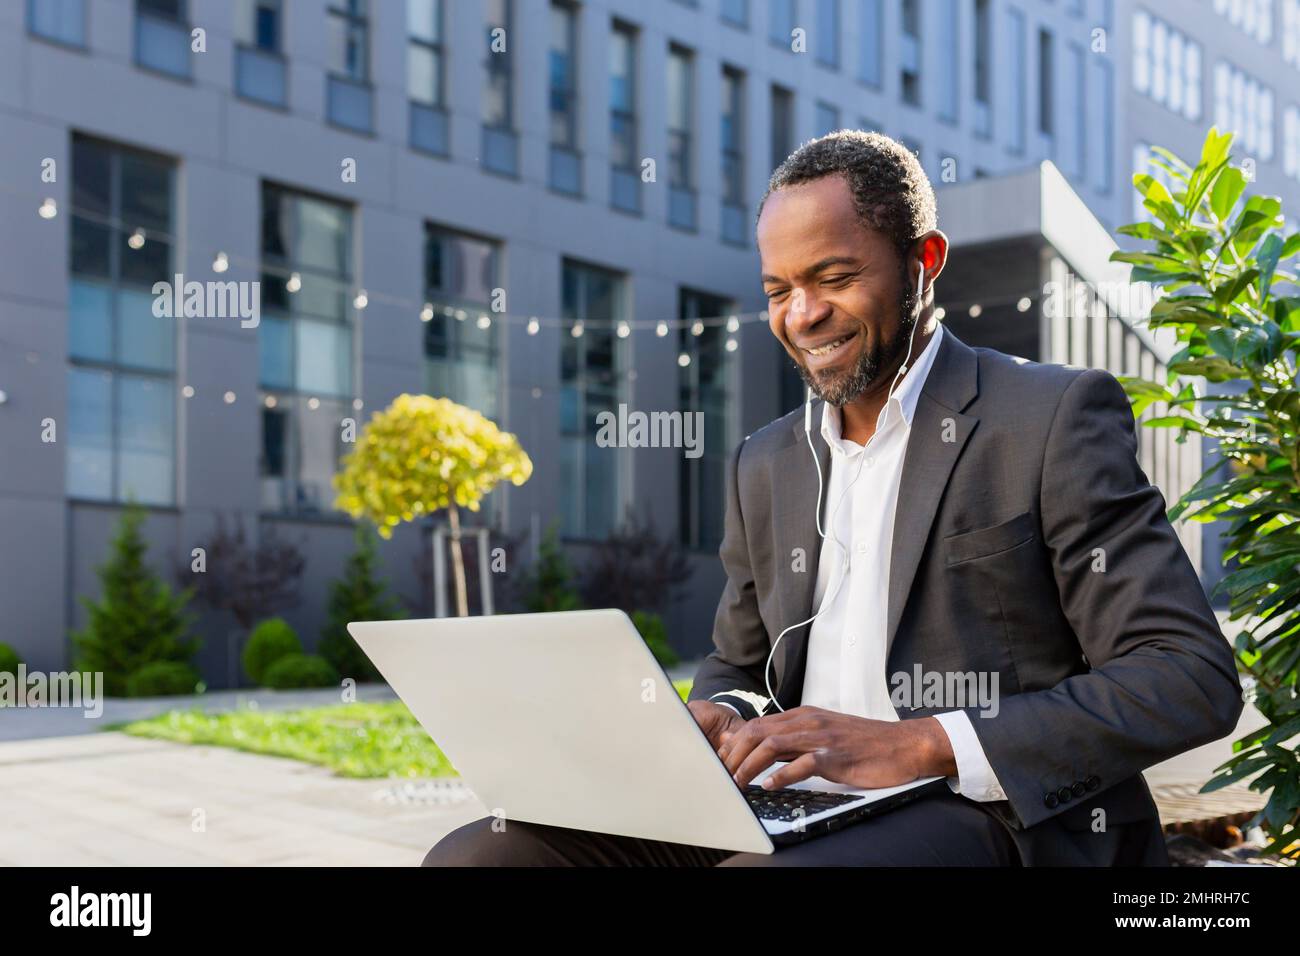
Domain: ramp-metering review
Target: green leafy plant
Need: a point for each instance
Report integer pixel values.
(163, 679)
(1228, 294)
(300, 670)
(549, 584)
(9, 660)
(138, 620)
(271, 640)
(652, 631)
(359, 595)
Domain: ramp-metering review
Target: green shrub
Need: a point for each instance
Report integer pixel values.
(300, 670)
(137, 620)
(548, 584)
(270, 641)
(162, 679)
(652, 631)
(9, 660)
(357, 596)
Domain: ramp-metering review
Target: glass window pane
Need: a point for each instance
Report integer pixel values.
(322, 239)
(422, 80)
(323, 358)
(146, 193)
(146, 415)
(275, 353)
(90, 322)
(91, 174)
(422, 20)
(88, 247)
(146, 265)
(144, 340)
(90, 434)
(320, 446)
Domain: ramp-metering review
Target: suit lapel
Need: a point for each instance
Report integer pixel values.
(939, 433)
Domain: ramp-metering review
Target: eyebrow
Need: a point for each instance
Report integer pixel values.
(821, 266)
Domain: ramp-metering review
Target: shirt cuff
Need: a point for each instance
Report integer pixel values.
(975, 777)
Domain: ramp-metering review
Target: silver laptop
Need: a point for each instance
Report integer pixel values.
(567, 719)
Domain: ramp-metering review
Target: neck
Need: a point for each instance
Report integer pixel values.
(858, 417)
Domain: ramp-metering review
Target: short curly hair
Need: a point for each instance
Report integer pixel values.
(890, 190)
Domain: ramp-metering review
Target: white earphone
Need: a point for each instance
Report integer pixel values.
(807, 428)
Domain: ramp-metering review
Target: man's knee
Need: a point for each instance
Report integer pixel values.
(478, 844)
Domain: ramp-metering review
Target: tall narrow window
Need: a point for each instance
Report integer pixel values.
(1016, 40)
(122, 358)
(736, 12)
(259, 57)
(780, 21)
(162, 36)
(348, 95)
(870, 33)
(828, 118)
(733, 166)
(306, 344)
(592, 366)
(782, 124)
(1075, 110)
(909, 53)
(63, 21)
(500, 142)
(681, 121)
(566, 166)
(625, 179)
(948, 60)
(1046, 85)
(461, 350)
(705, 386)
(426, 75)
(983, 68)
(827, 41)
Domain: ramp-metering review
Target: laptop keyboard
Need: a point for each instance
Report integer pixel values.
(791, 804)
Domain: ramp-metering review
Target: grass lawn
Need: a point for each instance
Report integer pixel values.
(353, 740)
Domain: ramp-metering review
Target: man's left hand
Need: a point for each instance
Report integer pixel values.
(841, 748)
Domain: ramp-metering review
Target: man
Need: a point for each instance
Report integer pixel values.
(941, 511)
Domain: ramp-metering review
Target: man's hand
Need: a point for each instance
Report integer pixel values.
(715, 720)
(841, 748)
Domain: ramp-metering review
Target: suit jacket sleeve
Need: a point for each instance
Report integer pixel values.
(740, 645)
(1162, 679)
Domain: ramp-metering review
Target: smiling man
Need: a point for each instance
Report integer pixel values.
(939, 511)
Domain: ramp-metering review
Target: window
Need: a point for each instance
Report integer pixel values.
(681, 179)
(983, 68)
(1143, 163)
(625, 180)
(1104, 144)
(948, 61)
(122, 358)
(909, 53)
(1291, 32)
(1075, 106)
(705, 386)
(1244, 106)
(869, 35)
(565, 164)
(1016, 39)
(1252, 17)
(827, 40)
(1291, 142)
(780, 21)
(461, 350)
(306, 347)
(500, 144)
(782, 125)
(259, 63)
(347, 81)
(733, 164)
(162, 36)
(1166, 66)
(1046, 84)
(592, 367)
(426, 76)
(63, 21)
(736, 12)
(828, 118)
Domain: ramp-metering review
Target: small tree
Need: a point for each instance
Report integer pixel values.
(1218, 258)
(422, 455)
(357, 596)
(634, 569)
(137, 620)
(548, 584)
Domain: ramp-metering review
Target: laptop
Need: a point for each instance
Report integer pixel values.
(567, 719)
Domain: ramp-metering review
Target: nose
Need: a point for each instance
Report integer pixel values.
(804, 313)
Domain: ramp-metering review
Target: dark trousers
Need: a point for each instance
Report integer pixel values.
(938, 830)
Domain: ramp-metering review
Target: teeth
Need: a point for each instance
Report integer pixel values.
(828, 349)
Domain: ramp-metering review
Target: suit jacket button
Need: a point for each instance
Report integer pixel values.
(1065, 794)
(1050, 800)
(1092, 783)
(1078, 789)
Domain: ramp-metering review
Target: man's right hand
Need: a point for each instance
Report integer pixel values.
(716, 720)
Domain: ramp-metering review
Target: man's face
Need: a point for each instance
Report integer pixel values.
(838, 296)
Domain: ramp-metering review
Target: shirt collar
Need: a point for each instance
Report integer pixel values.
(901, 403)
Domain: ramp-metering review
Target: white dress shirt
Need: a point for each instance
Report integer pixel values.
(847, 652)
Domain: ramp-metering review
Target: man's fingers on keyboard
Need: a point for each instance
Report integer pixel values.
(793, 772)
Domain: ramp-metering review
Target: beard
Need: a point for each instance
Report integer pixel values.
(838, 388)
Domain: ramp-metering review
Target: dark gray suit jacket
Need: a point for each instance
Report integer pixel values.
(1015, 473)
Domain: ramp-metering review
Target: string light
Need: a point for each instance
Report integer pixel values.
(294, 283)
(732, 345)
(271, 401)
(975, 311)
(1024, 304)
(49, 209)
(940, 312)
(661, 329)
(461, 315)
(484, 321)
(577, 329)
(188, 391)
(313, 403)
(684, 360)
(624, 330)
(221, 263)
(362, 300)
(358, 404)
(697, 328)
(733, 324)
(137, 239)
(228, 398)
(426, 314)
(533, 325)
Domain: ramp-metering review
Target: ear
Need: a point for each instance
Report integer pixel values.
(932, 251)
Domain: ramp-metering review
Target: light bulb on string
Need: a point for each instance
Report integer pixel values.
(697, 328)
(362, 300)
(533, 325)
(684, 360)
(484, 321)
(624, 330)
(661, 329)
(294, 283)
(136, 241)
(732, 345)
(48, 209)
(221, 263)
(975, 311)
(733, 324)
(576, 331)
(426, 314)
